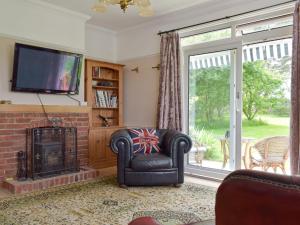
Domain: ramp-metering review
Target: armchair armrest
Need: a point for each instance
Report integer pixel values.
(118, 137)
(174, 141)
(175, 145)
(121, 144)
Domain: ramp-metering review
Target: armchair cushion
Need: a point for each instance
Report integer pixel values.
(145, 140)
(156, 161)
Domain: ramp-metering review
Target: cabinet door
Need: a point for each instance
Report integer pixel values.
(98, 146)
(110, 155)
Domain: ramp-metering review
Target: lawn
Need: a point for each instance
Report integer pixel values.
(264, 126)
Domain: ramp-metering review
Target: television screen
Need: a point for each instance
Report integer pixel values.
(43, 70)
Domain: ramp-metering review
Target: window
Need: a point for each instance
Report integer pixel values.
(264, 25)
(206, 37)
(216, 87)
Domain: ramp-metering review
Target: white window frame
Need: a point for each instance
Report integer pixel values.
(235, 101)
(220, 45)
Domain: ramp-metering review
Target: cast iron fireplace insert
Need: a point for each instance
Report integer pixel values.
(51, 151)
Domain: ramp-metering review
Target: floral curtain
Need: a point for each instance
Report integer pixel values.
(169, 102)
(295, 96)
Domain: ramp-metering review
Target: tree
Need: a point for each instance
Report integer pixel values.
(209, 93)
(283, 66)
(262, 88)
(263, 92)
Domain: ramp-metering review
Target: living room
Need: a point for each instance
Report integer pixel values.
(147, 112)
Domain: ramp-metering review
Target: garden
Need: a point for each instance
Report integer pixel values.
(266, 103)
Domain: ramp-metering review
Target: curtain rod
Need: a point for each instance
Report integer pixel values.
(226, 17)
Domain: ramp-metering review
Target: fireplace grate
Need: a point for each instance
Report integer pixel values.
(51, 151)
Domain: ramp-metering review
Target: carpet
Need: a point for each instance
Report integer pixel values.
(102, 202)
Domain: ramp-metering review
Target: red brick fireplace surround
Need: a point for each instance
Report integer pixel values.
(15, 119)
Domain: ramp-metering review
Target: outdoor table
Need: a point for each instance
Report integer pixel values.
(245, 151)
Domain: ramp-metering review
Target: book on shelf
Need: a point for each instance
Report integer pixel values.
(106, 99)
(101, 101)
(97, 101)
(96, 72)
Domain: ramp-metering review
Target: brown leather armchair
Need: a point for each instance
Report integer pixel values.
(258, 198)
(254, 198)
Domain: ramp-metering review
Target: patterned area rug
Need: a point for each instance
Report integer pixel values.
(102, 202)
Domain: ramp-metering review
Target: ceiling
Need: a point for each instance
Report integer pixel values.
(115, 19)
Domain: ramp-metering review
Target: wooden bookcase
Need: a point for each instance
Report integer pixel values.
(104, 94)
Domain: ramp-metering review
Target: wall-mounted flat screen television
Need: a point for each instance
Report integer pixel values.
(43, 70)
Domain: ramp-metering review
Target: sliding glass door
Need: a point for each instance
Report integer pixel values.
(220, 99)
(213, 78)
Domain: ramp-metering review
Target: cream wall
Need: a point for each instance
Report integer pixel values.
(141, 92)
(41, 24)
(100, 43)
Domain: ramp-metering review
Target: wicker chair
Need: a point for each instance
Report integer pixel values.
(270, 152)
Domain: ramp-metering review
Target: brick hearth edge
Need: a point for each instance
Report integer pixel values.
(22, 187)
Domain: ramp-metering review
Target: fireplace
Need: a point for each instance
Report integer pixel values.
(51, 151)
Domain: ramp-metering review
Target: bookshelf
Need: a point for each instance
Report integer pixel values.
(104, 94)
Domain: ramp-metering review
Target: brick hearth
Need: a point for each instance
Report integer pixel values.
(21, 187)
(13, 136)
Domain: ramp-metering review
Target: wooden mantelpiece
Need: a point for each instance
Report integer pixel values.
(48, 108)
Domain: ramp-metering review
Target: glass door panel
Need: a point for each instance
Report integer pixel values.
(211, 111)
(266, 105)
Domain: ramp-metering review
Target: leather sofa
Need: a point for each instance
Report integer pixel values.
(253, 198)
(164, 168)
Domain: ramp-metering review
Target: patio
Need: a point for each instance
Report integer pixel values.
(277, 155)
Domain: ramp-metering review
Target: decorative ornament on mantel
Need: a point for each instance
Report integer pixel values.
(144, 6)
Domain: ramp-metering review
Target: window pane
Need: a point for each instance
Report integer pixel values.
(266, 107)
(206, 37)
(263, 25)
(209, 110)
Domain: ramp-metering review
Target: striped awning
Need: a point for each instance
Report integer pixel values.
(261, 51)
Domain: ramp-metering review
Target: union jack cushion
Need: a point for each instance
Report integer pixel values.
(145, 141)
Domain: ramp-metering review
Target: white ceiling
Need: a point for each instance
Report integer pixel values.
(115, 19)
